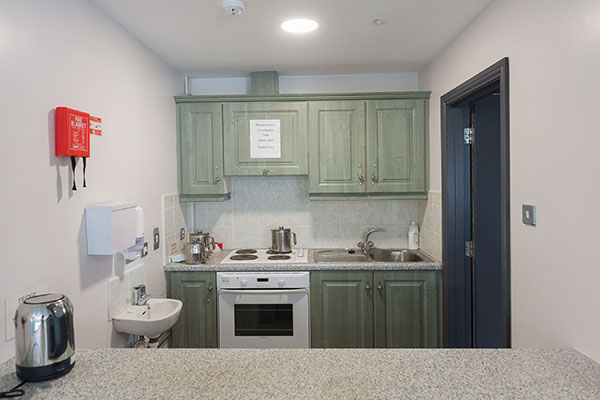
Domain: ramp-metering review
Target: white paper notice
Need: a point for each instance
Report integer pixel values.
(265, 138)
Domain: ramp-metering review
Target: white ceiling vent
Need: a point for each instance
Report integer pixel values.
(233, 7)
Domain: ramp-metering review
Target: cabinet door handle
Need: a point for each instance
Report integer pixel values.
(209, 288)
(379, 287)
(217, 179)
(361, 178)
(368, 287)
(373, 179)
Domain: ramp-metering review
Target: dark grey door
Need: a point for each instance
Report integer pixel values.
(486, 260)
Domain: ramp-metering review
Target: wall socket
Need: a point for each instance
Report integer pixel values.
(12, 302)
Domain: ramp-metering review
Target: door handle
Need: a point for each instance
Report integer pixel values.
(368, 287)
(379, 287)
(252, 291)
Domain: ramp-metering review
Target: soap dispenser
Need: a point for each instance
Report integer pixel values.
(413, 236)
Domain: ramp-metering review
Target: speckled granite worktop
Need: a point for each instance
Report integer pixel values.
(214, 264)
(318, 373)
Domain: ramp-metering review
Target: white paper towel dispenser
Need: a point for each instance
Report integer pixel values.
(111, 227)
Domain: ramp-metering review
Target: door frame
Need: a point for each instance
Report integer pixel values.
(457, 316)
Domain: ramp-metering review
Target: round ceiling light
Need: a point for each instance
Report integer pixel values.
(299, 25)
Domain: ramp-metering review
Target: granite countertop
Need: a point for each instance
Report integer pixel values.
(319, 373)
(214, 264)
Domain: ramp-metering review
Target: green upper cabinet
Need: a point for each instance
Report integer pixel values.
(337, 146)
(247, 156)
(200, 152)
(197, 323)
(341, 309)
(396, 146)
(368, 148)
(407, 309)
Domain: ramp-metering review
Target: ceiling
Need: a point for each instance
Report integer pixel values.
(199, 39)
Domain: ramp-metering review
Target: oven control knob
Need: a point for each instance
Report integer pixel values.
(244, 282)
(281, 282)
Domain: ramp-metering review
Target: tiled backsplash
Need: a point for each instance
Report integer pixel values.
(259, 204)
(174, 218)
(431, 225)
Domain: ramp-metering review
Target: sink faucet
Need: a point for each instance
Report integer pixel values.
(141, 298)
(366, 245)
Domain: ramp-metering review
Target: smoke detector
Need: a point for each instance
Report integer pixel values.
(233, 7)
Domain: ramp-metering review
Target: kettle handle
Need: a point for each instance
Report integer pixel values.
(295, 242)
(57, 331)
(212, 242)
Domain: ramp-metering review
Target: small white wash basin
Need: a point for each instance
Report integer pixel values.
(158, 316)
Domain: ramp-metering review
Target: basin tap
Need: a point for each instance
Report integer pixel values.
(366, 245)
(141, 298)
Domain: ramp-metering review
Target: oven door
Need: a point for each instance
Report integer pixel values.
(250, 318)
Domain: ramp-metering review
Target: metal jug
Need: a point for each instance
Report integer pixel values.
(281, 240)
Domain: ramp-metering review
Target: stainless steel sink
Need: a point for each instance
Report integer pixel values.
(381, 255)
(340, 255)
(396, 255)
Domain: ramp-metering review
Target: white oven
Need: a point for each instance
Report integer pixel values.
(263, 309)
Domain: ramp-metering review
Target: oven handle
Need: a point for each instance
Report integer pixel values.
(252, 291)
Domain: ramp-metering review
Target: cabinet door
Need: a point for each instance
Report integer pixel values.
(341, 309)
(197, 323)
(397, 146)
(241, 159)
(337, 146)
(407, 309)
(200, 150)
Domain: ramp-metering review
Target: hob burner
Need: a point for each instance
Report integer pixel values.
(278, 252)
(246, 251)
(244, 257)
(279, 257)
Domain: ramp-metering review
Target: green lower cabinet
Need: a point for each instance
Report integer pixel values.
(197, 324)
(360, 309)
(407, 309)
(341, 309)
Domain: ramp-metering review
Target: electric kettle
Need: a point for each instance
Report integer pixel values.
(45, 344)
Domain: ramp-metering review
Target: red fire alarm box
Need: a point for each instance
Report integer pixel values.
(72, 132)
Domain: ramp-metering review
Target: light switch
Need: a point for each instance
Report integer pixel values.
(529, 214)
(156, 238)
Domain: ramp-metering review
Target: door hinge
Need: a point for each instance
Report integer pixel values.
(470, 248)
(469, 134)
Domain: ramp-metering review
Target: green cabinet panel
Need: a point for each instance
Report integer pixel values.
(407, 309)
(358, 309)
(396, 146)
(197, 323)
(337, 146)
(293, 136)
(200, 152)
(341, 309)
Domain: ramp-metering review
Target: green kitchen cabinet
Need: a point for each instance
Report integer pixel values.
(407, 309)
(197, 323)
(372, 148)
(362, 309)
(246, 156)
(396, 146)
(341, 309)
(200, 152)
(337, 156)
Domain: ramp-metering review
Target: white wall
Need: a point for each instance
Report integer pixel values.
(68, 53)
(313, 84)
(554, 52)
